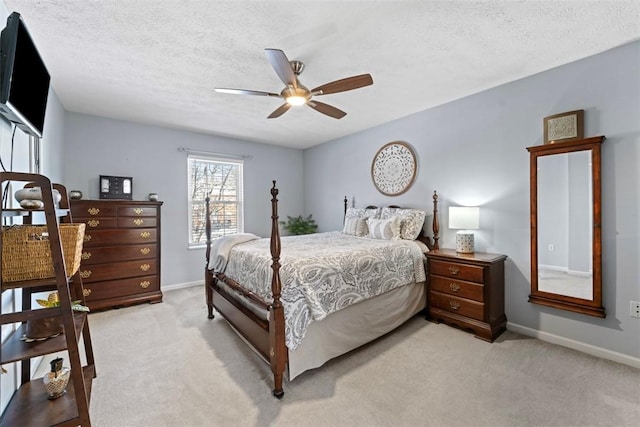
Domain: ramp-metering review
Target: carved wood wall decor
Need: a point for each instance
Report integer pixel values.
(393, 169)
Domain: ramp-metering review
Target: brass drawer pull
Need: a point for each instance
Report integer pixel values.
(145, 234)
(454, 270)
(87, 237)
(138, 211)
(145, 251)
(86, 292)
(145, 267)
(93, 211)
(454, 287)
(454, 305)
(86, 255)
(145, 284)
(93, 223)
(85, 274)
(138, 221)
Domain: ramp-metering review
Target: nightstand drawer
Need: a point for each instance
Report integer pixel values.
(459, 271)
(458, 288)
(461, 306)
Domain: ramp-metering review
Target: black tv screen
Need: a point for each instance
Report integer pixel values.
(24, 79)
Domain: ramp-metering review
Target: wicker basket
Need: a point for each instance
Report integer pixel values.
(26, 252)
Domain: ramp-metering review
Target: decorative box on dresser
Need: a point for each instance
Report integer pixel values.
(467, 291)
(121, 254)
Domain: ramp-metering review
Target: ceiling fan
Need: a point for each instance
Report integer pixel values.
(295, 93)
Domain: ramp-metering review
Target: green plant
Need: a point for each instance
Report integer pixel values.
(54, 301)
(300, 225)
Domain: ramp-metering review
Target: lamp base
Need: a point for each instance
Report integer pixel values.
(464, 242)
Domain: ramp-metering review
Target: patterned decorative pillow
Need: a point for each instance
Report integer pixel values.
(355, 226)
(362, 213)
(386, 229)
(411, 220)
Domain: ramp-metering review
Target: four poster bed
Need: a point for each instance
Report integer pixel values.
(330, 292)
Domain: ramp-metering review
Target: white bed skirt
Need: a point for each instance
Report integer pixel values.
(350, 328)
(347, 329)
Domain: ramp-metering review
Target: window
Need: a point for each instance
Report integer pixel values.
(222, 180)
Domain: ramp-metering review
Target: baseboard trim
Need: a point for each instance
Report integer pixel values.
(166, 288)
(576, 345)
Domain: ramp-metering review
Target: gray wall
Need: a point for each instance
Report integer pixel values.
(52, 140)
(97, 146)
(473, 152)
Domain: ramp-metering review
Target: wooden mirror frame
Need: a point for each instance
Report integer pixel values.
(594, 306)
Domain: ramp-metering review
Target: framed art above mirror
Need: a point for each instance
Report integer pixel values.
(566, 248)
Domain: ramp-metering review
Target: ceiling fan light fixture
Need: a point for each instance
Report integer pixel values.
(296, 100)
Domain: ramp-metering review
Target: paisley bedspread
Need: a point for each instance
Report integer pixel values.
(324, 272)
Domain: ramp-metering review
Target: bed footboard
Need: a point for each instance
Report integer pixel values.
(267, 338)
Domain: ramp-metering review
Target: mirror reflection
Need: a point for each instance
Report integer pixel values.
(565, 221)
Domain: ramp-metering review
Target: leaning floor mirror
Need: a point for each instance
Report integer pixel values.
(566, 250)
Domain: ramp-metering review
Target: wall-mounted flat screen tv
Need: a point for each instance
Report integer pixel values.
(24, 79)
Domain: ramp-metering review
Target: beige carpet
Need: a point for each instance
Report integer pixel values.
(168, 365)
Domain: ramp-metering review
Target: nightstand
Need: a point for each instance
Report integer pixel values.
(467, 291)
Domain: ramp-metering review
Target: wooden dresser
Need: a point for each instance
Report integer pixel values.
(121, 254)
(467, 291)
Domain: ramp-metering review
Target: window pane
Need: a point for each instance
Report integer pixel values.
(222, 180)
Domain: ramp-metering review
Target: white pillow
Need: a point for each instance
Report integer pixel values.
(411, 221)
(355, 226)
(387, 229)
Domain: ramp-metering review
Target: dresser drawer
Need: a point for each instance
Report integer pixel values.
(115, 237)
(458, 288)
(118, 270)
(117, 288)
(466, 272)
(461, 306)
(137, 211)
(92, 210)
(133, 222)
(98, 222)
(105, 254)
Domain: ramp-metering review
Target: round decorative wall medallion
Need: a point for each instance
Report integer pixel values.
(394, 168)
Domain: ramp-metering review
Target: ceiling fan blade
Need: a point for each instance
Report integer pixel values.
(282, 67)
(280, 111)
(246, 92)
(343, 85)
(327, 109)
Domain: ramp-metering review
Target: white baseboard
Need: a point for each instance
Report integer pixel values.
(176, 286)
(603, 353)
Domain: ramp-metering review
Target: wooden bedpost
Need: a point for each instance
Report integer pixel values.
(345, 209)
(435, 226)
(208, 277)
(278, 349)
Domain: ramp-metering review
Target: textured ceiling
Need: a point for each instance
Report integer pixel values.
(158, 61)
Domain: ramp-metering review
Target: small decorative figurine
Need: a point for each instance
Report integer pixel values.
(56, 381)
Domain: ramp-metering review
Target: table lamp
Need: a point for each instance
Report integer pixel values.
(465, 219)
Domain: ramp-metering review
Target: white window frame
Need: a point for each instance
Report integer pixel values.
(198, 203)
